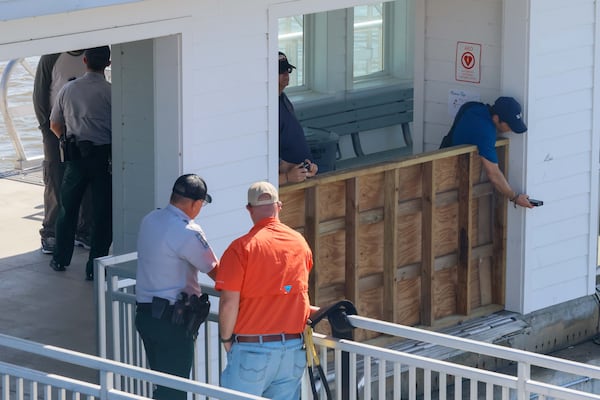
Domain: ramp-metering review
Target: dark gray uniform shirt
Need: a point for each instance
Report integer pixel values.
(84, 107)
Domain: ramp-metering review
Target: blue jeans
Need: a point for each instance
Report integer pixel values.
(273, 369)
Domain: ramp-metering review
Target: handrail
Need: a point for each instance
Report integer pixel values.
(370, 366)
(474, 346)
(107, 369)
(22, 158)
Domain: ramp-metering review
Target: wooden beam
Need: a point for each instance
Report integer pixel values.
(465, 227)
(400, 163)
(500, 228)
(352, 223)
(390, 237)
(311, 228)
(427, 245)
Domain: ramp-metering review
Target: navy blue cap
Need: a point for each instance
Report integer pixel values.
(509, 110)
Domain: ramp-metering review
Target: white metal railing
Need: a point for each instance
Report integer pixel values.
(22, 160)
(117, 337)
(375, 372)
(21, 383)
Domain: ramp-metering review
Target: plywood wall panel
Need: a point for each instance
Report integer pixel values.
(408, 310)
(410, 183)
(292, 212)
(332, 201)
(409, 239)
(330, 260)
(445, 236)
(444, 293)
(370, 192)
(446, 174)
(370, 251)
(380, 266)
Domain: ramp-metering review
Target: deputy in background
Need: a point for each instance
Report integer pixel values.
(81, 119)
(52, 73)
(172, 249)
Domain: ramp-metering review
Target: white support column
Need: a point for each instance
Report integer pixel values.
(595, 167)
(514, 82)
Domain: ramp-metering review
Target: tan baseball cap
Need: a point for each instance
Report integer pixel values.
(262, 193)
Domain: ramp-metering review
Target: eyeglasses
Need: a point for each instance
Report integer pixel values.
(283, 70)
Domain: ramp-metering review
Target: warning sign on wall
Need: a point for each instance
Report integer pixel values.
(468, 62)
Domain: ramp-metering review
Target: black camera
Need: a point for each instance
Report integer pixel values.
(536, 203)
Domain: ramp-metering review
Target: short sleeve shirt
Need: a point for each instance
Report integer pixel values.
(293, 147)
(269, 267)
(172, 249)
(476, 127)
(84, 107)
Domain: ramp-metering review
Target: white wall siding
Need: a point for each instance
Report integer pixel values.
(561, 155)
(228, 142)
(447, 23)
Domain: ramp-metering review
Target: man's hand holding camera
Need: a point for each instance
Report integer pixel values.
(295, 173)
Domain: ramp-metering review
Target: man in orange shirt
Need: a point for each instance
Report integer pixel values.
(264, 305)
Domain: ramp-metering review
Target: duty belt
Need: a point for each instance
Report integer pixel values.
(147, 308)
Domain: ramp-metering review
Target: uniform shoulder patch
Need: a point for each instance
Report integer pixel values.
(202, 239)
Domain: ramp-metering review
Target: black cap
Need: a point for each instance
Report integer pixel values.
(284, 64)
(192, 187)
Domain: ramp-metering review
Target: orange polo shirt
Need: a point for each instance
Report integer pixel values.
(269, 266)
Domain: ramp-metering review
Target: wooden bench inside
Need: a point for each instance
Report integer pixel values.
(360, 112)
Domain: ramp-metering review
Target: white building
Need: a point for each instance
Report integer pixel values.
(195, 90)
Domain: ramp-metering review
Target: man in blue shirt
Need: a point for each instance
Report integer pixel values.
(294, 152)
(478, 124)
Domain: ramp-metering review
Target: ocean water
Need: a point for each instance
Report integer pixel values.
(20, 106)
(19, 102)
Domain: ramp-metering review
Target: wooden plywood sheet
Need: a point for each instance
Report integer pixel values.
(485, 280)
(408, 310)
(445, 236)
(330, 259)
(474, 287)
(292, 213)
(445, 172)
(370, 191)
(370, 249)
(410, 183)
(329, 294)
(444, 293)
(362, 256)
(332, 203)
(482, 221)
(409, 239)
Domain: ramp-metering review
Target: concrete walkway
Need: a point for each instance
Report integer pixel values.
(36, 302)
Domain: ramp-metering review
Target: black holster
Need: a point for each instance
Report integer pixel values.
(69, 151)
(190, 311)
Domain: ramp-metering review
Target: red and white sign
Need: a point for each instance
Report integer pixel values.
(468, 62)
